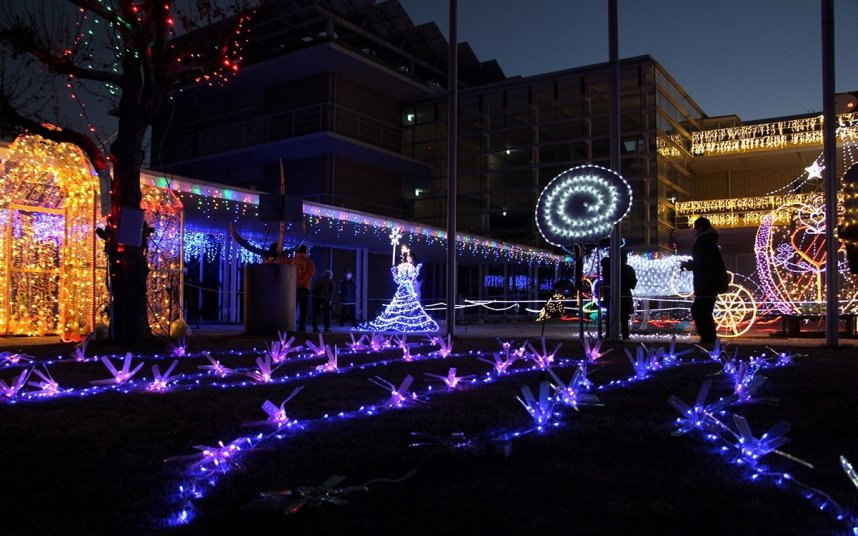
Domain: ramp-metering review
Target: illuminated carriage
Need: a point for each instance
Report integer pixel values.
(52, 265)
(660, 279)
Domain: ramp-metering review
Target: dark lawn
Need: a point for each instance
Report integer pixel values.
(96, 465)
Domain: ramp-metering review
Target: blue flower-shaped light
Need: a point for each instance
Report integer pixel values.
(581, 205)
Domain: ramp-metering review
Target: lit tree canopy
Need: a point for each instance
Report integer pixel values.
(127, 57)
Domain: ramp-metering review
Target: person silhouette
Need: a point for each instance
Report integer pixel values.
(710, 278)
(628, 281)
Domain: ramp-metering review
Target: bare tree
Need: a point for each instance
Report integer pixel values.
(125, 54)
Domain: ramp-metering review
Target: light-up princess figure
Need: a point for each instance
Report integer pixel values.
(404, 314)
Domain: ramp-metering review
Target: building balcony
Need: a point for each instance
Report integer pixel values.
(255, 131)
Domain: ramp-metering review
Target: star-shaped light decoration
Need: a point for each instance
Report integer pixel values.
(180, 349)
(378, 342)
(671, 357)
(80, 348)
(639, 361)
(219, 458)
(814, 171)
(292, 501)
(8, 358)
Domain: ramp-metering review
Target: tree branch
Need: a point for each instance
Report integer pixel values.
(10, 116)
(22, 40)
(101, 11)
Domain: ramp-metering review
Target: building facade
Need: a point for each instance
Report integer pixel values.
(516, 135)
(350, 96)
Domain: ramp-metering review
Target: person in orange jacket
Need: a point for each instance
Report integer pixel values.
(305, 269)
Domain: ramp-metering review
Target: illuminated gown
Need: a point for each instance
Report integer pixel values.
(404, 314)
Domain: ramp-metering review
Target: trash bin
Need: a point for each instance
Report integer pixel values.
(269, 298)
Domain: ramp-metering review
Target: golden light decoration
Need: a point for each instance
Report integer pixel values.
(52, 266)
(791, 260)
(735, 310)
(48, 256)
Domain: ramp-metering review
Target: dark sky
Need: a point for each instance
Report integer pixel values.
(754, 58)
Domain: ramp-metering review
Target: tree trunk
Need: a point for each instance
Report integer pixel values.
(128, 268)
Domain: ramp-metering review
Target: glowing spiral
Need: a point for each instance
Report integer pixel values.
(581, 205)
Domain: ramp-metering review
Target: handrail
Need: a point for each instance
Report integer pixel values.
(323, 117)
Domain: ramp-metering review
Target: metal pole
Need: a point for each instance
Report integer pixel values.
(614, 64)
(452, 130)
(829, 144)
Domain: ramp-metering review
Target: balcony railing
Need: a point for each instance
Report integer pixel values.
(325, 117)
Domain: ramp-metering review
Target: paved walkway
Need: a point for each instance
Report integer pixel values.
(554, 330)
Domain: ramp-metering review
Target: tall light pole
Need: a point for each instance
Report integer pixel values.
(615, 274)
(452, 130)
(829, 144)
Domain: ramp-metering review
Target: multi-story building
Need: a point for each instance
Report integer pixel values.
(517, 134)
(351, 96)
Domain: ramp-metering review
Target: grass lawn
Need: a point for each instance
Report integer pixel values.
(96, 464)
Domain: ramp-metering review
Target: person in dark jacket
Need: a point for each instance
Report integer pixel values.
(323, 293)
(628, 281)
(710, 278)
(348, 298)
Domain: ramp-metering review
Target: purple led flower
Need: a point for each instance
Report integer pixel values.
(593, 349)
(264, 371)
(47, 387)
(750, 449)
(699, 416)
(332, 364)
(541, 408)
(398, 396)
(119, 376)
(317, 350)
(445, 346)
(545, 359)
(215, 367)
(11, 390)
(356, 345)
(572, 394)
(180, 348)
(161, 382)
(277, 415)
(451, 380)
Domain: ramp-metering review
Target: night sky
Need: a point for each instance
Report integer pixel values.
(754, 58)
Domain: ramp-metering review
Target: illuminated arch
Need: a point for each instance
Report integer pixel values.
(52, 266)
(48, 255)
